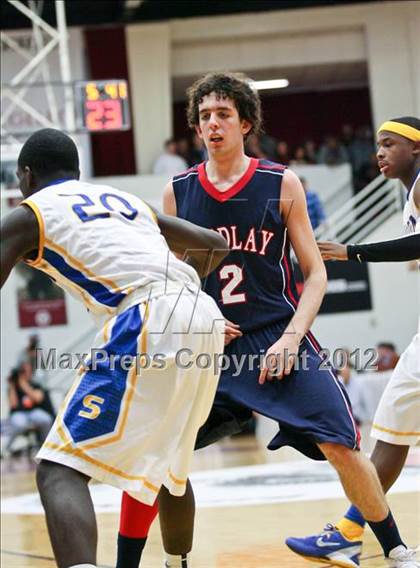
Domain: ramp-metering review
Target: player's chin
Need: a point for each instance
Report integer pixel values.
(388, 172)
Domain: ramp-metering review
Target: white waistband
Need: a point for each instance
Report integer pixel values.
(157, 290)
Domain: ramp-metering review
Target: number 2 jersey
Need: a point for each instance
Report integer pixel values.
(254, 286)
(100, 244)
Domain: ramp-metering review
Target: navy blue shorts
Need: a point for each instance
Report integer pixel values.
(310, 405)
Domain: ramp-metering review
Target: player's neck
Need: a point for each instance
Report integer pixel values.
(227, 169)
(410, 177)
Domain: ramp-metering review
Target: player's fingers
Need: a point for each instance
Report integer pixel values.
(230, 337)
(289, 363)
(231, 323)
(232, 331)
(279, 373)
(275, 366)
(263, 375)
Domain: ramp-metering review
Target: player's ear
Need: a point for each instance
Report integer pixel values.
(245, 127)
(199, 131)
(29, 177)
(416, 148)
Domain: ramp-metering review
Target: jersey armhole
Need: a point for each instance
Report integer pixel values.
(152, 213)
(41, 229)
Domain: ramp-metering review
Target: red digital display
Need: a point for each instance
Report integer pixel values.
(104, 105)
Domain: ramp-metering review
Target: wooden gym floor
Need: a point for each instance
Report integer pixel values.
(234, 536)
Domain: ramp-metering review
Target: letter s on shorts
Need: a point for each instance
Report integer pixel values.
(92, 403)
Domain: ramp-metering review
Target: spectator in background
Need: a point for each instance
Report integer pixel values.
(30, 405)
(198, 152)
(360, 153)
(29, 354)
(169, 162)
(310, 151)
(253, 147)
(183, 149)
(367, 172)
(299, 157)
(332, 152)
(387, 356)
(282, 153)
(268, 146)
(315, 208)
(347, 135)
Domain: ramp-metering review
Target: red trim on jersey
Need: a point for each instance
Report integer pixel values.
(192, 169)
(313, 339)
(289, 292)
(274, 167)
(234, 190)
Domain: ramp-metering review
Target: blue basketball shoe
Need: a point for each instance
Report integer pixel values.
(328, 547)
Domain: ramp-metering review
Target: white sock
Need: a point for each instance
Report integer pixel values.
(177, 561)
(83, 566)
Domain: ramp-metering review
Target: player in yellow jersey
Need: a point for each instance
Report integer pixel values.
(131, 418)
(396, 425)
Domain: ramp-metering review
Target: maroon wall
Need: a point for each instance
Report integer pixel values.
(112, 152)
(299, 116)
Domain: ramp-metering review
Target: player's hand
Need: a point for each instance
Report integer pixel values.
(232, 331)
(280, 358)
(332, 251)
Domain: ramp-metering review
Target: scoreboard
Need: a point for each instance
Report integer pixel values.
(102, 105)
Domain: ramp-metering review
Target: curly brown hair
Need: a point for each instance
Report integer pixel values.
(234, 86)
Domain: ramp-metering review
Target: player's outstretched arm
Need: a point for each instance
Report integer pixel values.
(202, 248)
(395, 250)
(19, 235)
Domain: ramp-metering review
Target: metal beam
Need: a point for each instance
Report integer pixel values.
(19, 88)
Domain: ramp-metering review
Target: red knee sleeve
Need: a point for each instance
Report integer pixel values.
(136, 518)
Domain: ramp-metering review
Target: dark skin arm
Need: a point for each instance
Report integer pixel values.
(201, 248)
(19, 236)
(204, 249)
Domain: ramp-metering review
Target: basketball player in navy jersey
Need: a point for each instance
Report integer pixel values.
(260, 207)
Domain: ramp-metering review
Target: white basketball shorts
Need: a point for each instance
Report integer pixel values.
(134, 427)
(397, 418)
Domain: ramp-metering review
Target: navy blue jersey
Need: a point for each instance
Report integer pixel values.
(254, 285)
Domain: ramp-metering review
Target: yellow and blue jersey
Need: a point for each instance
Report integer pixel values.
(100, 244)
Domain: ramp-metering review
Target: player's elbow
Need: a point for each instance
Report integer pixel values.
(317, 275)
(321, 278)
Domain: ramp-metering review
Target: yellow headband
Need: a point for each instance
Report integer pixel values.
(402, 129)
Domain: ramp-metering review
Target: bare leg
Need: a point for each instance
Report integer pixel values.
(176, 516)
(70, 515)
(388, 459)
(359, 479)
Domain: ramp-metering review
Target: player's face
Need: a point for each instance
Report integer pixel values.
(220, 127)
(395, 154)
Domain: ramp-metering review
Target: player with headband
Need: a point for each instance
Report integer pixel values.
(396, 425)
